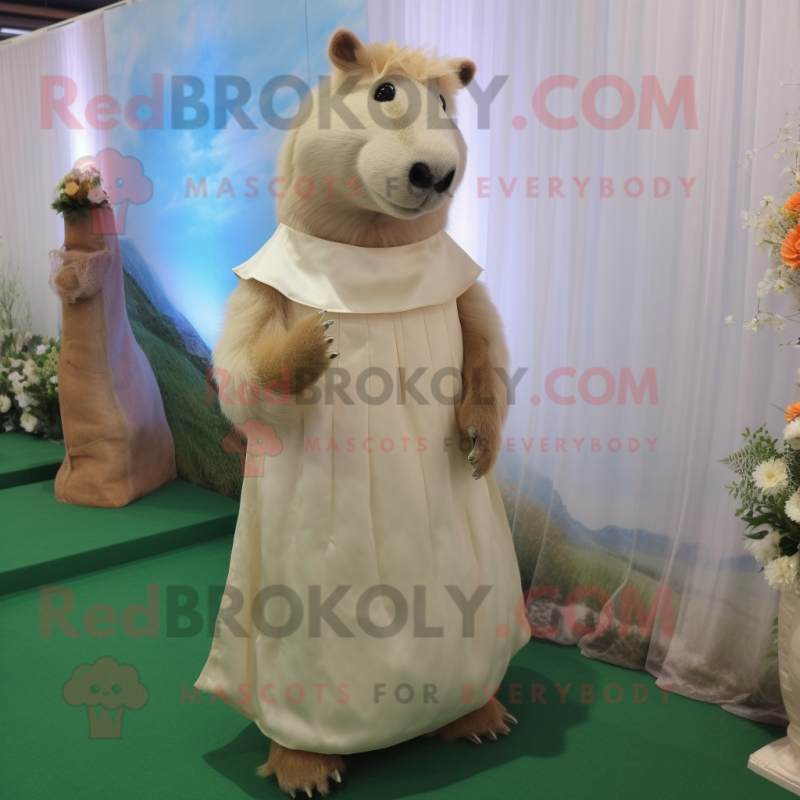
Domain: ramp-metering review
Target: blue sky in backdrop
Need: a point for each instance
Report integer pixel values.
(193, 243)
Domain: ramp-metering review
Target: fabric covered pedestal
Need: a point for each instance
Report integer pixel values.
(119, 446)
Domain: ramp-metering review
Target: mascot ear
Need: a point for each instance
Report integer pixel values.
(344, 49)
(465, 70)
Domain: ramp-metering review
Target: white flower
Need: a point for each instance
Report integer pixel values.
(24, 400)
(780, 286)
(54, 380)
(16, 377)
(5, 403)
(771, 476)
(29, 369)
(792, 507)
(8, 426)
(42, 348)
(729, 320)
(766, 549)
(17, 387)
(28, 422)
(782, 572)
(791, 434)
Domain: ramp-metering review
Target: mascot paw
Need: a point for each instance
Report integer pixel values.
(487, 721)
(485, 447)
(308, 349)
(301, 771)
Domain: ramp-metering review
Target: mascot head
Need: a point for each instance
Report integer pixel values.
(377, 155)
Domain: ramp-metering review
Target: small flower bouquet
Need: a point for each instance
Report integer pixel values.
(777, 228)
(78, 192)
(29, 384)
(768, 491)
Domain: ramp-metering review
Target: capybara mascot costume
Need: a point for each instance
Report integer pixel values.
(373, 585)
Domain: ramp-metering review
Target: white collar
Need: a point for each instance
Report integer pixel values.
(361, 280)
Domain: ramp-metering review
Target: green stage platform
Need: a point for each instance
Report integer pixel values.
(182, 746)
(48, 541)
(26, 459)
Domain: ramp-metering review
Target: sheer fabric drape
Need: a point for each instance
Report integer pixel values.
(611, 286)
(37, 148)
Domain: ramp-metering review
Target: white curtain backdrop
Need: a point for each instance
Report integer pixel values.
(620, 282)
(33, 158)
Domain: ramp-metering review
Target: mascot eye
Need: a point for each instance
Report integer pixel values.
(444, 104)
(384, 93)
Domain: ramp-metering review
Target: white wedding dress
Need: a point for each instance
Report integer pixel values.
(368, 494)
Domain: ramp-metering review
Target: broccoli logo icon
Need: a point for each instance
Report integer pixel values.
(253, 441)
(106, 688)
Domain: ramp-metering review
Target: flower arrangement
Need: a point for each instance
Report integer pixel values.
(78, 192)
(768, 491)
(29, 384)
(777, 228)
(768, 485)
(28, 381)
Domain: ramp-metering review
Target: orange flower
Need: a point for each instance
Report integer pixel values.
(793, 203)
(792, 412)
(790, 249)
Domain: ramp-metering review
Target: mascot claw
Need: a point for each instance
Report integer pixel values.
(326, 324)
(473, 434)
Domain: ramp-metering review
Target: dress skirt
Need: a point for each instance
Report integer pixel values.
(373, 584)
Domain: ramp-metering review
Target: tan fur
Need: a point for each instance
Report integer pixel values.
(348, 55)
(301, 771)
(341, 218)
(373, 153)
(303, 350)
(488, 721)
(254, 348)
(484, 396)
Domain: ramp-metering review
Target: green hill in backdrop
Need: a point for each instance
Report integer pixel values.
(197, 425)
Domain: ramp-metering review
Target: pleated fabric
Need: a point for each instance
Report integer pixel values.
(343, 628)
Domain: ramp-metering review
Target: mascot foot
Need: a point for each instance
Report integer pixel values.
(301, 771)
(487, 721)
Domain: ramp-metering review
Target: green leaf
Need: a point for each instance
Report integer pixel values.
(760, 520)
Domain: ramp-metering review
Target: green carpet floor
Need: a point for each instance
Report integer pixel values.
(48, 541)
(173, 748)
(178, 746)
(26, 459)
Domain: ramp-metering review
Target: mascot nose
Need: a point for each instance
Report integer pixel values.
(444, 183)
(420, 175)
